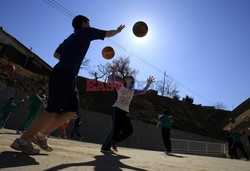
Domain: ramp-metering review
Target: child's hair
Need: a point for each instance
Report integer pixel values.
(124, 80)
(165, 110)
(12, 98)
(77, 21)
(43, 89)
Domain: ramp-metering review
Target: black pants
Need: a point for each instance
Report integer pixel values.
(230, 144)
(121, 128)
(166, 138)
(240, 146)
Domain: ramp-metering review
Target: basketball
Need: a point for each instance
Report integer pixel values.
(172, 118)
(9, 69)
(245, 118)
(232, 120)
(140, 29)
(108, 52)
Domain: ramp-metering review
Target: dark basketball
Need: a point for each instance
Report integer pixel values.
(140, 29)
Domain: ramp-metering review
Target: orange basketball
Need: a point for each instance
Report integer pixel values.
(245, 118)
(232, 120)
(108, 52)
(9, 69)
(140, 29)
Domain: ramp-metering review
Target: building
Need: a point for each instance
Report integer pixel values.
(16, 52)
(241, 111)
(238, 114)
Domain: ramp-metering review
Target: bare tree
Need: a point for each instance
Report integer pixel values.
(220, 105)
(168, 87)
(100, 72)
(123, 68)
(85, 64)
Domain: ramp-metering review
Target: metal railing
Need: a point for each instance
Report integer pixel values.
(201, 147)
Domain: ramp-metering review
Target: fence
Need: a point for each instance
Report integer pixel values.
(198, 147)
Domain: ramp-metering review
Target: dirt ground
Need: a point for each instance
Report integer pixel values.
(75, 155)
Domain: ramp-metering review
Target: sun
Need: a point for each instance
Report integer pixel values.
(141, 40)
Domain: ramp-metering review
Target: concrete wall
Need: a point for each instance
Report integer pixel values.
(95, 126)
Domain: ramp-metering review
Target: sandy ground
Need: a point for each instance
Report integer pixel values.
(75, 155)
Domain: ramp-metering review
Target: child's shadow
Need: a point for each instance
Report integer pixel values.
(15, 159)
(102, 162)
(174, 155)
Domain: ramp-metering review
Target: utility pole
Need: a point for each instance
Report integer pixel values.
(27, 57)
(164, 82)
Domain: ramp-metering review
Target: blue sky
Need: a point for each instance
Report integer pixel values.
(203, 44)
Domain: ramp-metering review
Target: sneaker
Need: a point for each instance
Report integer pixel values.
(107, 151)
(24, 146)
(114, 147)
(168, 153)
(42, 143)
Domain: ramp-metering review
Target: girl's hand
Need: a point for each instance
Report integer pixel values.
(150, 79)
(21, 101)
(114, 68)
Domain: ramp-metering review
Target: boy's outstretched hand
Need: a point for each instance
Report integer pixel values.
(120, 28)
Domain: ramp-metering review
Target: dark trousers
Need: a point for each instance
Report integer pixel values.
(230, 144)
(121, 128)
(166, 138)
(29, 119)
(75, 130)
(4, 118)
(240, 146)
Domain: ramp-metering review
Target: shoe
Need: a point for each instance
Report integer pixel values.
(168, 153)
(42, 143)
(107, 151)
(114, 147)
(24, 146)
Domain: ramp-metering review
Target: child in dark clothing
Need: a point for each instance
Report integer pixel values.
(238, 144)
(229, 142)
(76, 129)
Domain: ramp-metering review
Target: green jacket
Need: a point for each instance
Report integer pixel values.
(35, 103)
(165, 121)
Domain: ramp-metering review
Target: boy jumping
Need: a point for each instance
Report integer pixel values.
(63, 102)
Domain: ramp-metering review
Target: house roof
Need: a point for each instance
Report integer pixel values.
(33, 55)
(237, 113)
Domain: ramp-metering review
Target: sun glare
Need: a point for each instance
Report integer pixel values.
(141, 40)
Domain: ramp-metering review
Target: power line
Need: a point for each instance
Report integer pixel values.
(58, 9)
(65, 9)
(61, 8)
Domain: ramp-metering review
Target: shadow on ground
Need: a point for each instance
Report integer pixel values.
(15, 159)
(102, 162)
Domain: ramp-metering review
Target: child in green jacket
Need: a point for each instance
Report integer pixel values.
(7, 109)
(37, 101)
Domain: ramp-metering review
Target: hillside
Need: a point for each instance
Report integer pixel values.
(191, 118)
